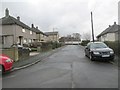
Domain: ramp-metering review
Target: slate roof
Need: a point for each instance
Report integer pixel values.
(111, 29)
(37, 31)
(9, 20)
(51, 33)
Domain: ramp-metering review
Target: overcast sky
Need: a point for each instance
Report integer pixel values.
(67, 16)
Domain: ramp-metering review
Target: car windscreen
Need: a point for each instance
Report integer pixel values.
(98, 45)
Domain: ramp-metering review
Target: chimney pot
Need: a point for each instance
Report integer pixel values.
(114, 23)
(32, 25)
(37, 27)
(6, 12)
(18, 18)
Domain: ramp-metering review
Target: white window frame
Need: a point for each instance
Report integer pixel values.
(25, 40)
(23, 30)
(31, 32)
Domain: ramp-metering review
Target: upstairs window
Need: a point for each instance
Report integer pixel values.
(31, 32)
(23, 30)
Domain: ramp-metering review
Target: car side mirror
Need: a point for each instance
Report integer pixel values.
(86, 47)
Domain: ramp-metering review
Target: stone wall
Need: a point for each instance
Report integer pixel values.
(15, 53)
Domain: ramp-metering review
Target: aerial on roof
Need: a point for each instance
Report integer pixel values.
(110, 29)
(51, 33)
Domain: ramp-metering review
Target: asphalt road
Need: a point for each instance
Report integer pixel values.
(68, 68)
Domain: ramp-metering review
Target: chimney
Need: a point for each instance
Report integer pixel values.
(32, 25)
(114, 23)
(109, 25)
(37, 27)
(6, 12)
(18, 18)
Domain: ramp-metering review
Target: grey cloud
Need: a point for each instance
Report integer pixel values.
(68, 16)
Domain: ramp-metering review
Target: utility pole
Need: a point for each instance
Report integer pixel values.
(53, 34)
(92, 27)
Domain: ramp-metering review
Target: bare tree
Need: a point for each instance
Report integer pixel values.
(86, 36)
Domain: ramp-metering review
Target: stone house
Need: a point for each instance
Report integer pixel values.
(109, 34)
(40, 36)
(53, 36)
(14, 31)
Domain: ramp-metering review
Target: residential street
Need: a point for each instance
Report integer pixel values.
(67, 68)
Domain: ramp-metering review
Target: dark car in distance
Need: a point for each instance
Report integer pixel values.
(99, 51)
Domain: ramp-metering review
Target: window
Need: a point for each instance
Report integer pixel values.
(30, 40)
(31, 32)
(25, 40)
(3, 40)
(98, 45)
(23, 30)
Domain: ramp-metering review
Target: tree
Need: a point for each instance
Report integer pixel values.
(86, 36)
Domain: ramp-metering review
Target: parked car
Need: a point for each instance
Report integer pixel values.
(5, 63)
(99, 50)
(21, 47)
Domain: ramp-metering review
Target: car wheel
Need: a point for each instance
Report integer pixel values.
(91, 58)
(85, 54)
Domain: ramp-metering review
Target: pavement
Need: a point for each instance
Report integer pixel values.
(34, 58)
(66, 68)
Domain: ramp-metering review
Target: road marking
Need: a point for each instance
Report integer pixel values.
(73, 84)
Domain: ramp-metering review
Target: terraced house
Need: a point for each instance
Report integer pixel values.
(14, 31)
(40, 36)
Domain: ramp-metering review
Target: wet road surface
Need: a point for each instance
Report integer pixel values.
(68, 68)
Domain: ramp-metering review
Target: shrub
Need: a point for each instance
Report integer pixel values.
(114, 45)
(46, 46)
(85, 42)
(35, 44)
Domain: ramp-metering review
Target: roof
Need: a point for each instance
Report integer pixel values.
(9, 20)
(37, 31)
(51, 33)
(110, 29)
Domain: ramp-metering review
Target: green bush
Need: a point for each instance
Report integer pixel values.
(114, 45)
(33, 49)
(85, 42)
(35, 44)
(56, 45)
(46, 46)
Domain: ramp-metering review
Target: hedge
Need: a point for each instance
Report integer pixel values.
(85, 42)
(114, 45)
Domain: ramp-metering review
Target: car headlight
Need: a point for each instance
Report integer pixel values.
(8, 60)
(96, 53)
(111, 52)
